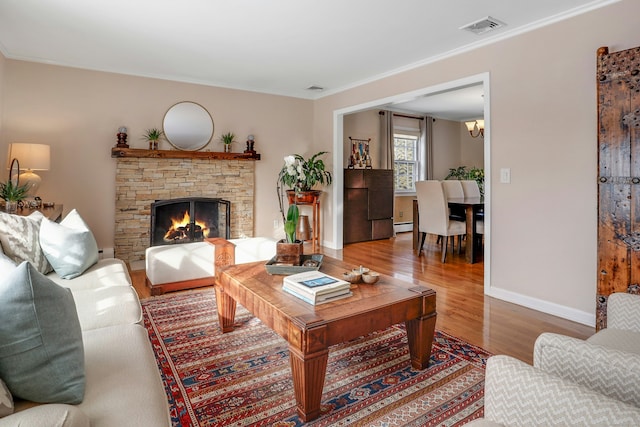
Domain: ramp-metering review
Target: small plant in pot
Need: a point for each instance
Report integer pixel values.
(227, 139)
(290, 250)
(13, 193)
(153, 135)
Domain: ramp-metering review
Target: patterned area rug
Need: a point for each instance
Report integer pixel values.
(243, 378)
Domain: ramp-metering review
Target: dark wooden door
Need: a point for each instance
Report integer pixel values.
(618, 76)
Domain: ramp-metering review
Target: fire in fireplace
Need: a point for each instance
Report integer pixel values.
(189, 219)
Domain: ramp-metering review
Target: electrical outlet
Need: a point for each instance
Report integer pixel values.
(276, 223)
(401, 213)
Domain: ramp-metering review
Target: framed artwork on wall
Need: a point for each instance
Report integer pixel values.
(360, 157)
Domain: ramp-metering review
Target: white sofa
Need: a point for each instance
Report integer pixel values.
(123, 386)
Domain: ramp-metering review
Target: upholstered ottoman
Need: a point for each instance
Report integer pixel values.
(192, 265)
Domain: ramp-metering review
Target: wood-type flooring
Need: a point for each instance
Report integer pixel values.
(463, 310)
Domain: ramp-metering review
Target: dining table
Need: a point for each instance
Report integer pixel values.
(472, 206)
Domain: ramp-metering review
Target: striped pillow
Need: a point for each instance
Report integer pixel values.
(20, 239)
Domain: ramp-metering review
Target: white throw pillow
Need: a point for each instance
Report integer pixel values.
(69, 246)
(19, 236)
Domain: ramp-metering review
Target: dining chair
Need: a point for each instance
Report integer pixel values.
(433, 215)
(453, 189)
(471, 189)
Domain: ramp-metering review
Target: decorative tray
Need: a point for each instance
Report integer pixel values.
(313, 261)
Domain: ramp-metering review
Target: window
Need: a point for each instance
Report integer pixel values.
(405, 151)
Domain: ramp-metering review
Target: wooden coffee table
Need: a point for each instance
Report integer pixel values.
(311, 330)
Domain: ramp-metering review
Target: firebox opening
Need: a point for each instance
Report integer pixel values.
(187, 220)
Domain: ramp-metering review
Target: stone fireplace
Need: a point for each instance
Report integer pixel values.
(141, 181)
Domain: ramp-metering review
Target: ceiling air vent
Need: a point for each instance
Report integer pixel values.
(483, 25)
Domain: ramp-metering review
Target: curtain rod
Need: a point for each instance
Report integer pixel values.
(403, 115)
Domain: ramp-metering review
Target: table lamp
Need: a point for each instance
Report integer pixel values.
(32, 157)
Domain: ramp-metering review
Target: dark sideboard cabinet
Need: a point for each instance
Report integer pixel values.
(368, 204)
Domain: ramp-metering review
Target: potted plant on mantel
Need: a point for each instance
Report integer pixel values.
(301, 176)
(153, 135)
(227, 140)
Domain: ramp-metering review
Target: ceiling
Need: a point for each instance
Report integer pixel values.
(273, 46)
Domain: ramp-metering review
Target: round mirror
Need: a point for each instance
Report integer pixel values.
(188, 126)
(14, 173)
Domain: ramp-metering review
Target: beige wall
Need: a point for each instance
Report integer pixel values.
(78, 113)
(363, 125)
(2, 66)
(471, 149)
(447, 149)
(542, 125)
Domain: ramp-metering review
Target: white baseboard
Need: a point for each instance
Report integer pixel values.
(402, 227)
(554, 309)
(105, 253)
(137, 265)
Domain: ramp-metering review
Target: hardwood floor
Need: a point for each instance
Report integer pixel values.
(463, 310)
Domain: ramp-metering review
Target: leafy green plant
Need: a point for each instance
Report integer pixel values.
(227, 138)
(461, 173)
(302, 174)
(290, 224)
(12, 192)
(153, 134)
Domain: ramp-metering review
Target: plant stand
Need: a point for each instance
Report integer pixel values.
(311, 198)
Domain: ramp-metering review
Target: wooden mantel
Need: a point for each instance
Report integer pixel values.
(177, 154)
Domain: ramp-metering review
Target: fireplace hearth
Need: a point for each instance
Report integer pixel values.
(189, 219)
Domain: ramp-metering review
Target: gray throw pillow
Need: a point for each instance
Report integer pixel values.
(6, 401)
(41, 351)
(19, 236)
(69, 246)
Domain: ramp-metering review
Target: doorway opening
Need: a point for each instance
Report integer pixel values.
(339, 155)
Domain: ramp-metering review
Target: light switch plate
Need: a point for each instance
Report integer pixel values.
(505, 175)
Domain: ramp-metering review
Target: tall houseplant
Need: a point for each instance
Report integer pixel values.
(300, 175)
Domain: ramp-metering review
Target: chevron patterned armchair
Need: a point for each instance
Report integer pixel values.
(573, 382)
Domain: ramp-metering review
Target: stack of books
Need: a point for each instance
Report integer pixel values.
(315, 287)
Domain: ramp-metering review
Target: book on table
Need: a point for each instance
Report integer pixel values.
(318, 299)
(316, 287)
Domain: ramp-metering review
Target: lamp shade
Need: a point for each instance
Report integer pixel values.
(470, 125)
(35, 157)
